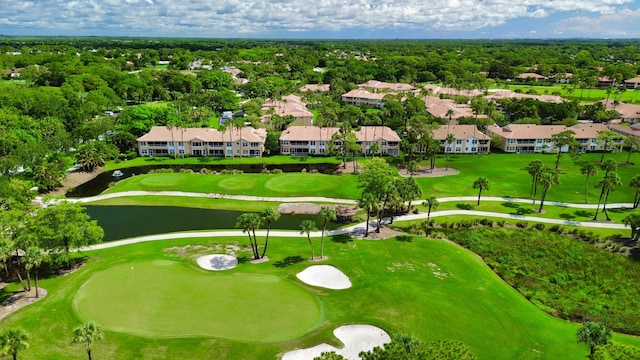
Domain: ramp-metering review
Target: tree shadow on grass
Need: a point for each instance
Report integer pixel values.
(524, 211)
(404, 238)
(288, 261)
(243, 259)
(511, 205)
(464, 206)
(583, 213)
(567, 216)
(341, 239)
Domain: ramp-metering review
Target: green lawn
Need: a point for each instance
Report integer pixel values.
(286, 184)
(508, 177)
(433, 289)
(172, 299)
(568, 91)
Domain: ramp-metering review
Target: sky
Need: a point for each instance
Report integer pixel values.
(324, 19)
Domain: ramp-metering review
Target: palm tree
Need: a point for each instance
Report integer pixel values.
(268, 216)
(608, 183)
(328, 214)
(608, 166)
(249, 222)
(431, 203)
(635, 183)
(33, 258)
(547, 178)
(451, 138)
(239, 124)
(306, 227)
(632, 143)
(87, 334)
(369, 203)
(481, 183)
(14, 340)
(633, 221)
(588, 170)
(534, 168)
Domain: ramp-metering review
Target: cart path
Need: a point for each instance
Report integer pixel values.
(357, 230)
(321, 199)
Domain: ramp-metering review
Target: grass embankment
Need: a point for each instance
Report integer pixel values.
(432, 289)
(567, 278)
(270, 160)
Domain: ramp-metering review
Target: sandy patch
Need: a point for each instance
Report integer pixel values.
(356, 338)
(426, 172)
(75, 179)
(325, 276)
(217, 262)
(20, 300)
(299, 208)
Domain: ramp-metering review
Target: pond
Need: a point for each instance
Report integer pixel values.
(121, 222)
(101, 182)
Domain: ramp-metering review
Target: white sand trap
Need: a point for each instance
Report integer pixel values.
(356, 338)
(217, 262)
(325, 276)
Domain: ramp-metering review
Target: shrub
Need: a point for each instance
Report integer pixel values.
(330, 172)
(501, 223)
(304, 170)
(266, 171)
(313, 171)
(186, 171)
(539, 226)
(522, 224)
(226, 172)
(238, 172)
(276, 171)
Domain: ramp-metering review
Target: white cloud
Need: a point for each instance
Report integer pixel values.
(261, 17)
(623, 23)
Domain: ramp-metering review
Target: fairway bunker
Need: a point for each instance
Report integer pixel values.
(217, 262)
(325, 276)
(356, 338)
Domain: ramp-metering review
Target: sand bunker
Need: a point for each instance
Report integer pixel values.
(325, 276)
(217, 262)
(356, 338)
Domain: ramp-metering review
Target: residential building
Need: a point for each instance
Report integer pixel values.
(306, 140)
(234, 142)
(440, 108)
(633, 83)
(468, 139)
(380, 86)
(315, 88)
(290, 105)
(587, 136)
(531, 76)
(527, 138)
(628, 112)
(360, 97)
(631, 130)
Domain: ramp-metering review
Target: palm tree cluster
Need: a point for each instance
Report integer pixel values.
(250, 222)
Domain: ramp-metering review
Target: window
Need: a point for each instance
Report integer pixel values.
(285, 142)
(143, 143)
(197, 143)
(245, 144)
(313, 142)
(144, 151)
(384, 143)
(229, 143)
(458, 142)
(229, 152)
(245, 152)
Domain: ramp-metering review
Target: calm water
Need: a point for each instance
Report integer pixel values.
(121, 222)
(101, 182)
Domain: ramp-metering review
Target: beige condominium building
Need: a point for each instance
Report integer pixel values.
(531, 138)
(468, 139)
(234, 142)
(306, 140)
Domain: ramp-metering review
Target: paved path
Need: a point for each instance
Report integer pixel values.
(357, 230)
(321, 199)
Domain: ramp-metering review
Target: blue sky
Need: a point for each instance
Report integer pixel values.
(348, 19)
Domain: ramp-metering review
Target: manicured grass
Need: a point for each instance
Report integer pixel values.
(568, 91)
(286, 184)
(280, 159)
(432, 289)
(507, 175)
(192, 202)
(139, 297)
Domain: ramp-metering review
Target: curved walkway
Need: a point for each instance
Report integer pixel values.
(320, 199)
(356, 230)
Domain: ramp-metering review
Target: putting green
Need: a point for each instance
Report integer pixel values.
(238, 183)
(163, 298)
(295, 183)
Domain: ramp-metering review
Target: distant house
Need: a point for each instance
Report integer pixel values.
(290, 105)
(628, 112)
(306, 140)
(440, 108)
(633, 83)
(164, 141)
(359, 97)
(378, 86)
(469, 140)
(226, 116)
(531, 76)
(315, 88)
